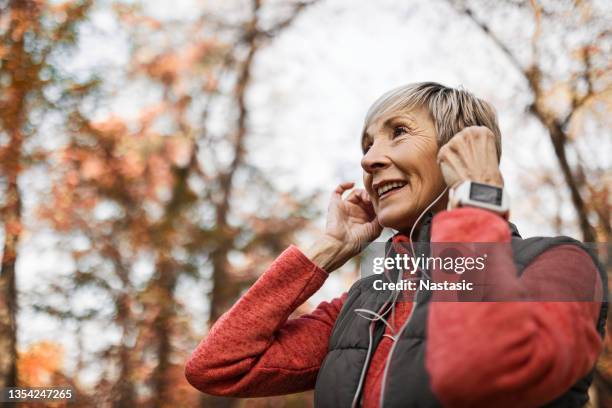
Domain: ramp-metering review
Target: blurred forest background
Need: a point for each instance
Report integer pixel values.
(155, 157)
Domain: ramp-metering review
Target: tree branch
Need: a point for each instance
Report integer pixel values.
(557, 135)
(487, 31)
(278, 28)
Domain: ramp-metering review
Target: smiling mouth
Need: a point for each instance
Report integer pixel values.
(390, 188)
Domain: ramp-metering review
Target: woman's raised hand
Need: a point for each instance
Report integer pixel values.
(351, 224)
(352, 220)
(471, 155)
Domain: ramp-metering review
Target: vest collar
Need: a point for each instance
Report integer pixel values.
(424, 232)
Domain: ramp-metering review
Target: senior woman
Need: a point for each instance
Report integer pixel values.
(417, 141)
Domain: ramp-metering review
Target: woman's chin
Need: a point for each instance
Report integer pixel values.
(399, 221)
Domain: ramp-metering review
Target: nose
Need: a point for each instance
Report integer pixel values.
(376, 158)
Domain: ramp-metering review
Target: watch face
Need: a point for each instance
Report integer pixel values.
(486, 193)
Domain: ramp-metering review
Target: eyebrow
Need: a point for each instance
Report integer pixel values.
(366, 136)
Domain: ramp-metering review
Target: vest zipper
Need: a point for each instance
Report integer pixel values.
(387, 363)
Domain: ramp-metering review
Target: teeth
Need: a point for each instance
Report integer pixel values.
(388, 186)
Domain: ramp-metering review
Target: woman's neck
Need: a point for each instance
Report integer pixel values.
(438, 207)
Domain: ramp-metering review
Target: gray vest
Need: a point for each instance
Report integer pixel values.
(406, 382)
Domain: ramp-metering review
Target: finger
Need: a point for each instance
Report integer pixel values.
(354, 196)
(452, 175)
(365, 196)
(360, 197)
(492, 149)
(369, 209)
(366, 206)
(461, 150)
(342, 187)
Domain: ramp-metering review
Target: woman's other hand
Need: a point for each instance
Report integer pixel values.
(351, 224)
(470, 155)
(352, 221)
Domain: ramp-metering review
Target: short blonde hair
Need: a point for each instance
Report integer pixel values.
(451, 109)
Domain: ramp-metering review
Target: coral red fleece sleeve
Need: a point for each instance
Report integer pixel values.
(254, 349)
(511, 353)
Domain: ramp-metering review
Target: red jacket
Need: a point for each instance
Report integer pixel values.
(534, 350)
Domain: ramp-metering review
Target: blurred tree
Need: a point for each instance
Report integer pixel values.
(32, 35)
(568, 73)
(173, 189)
(567, 69)
(41, 365)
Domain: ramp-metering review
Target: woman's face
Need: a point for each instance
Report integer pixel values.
(400, 169)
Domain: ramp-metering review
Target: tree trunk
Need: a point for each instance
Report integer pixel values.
(13, 118)
(558, 139)
(8, 289)
(124, 389)
(162, 327)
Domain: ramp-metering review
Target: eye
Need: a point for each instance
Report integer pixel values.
(399, 130)
(366, 147)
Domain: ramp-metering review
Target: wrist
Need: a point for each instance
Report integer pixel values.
(491, 179)
(328, 253)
